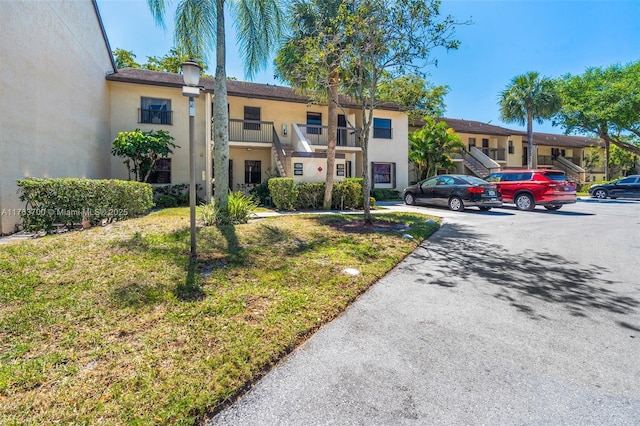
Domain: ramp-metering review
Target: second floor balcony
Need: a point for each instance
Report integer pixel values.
(318, 135)
(251, 131)
(496, 154)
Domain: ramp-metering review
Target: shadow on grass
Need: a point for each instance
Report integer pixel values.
(190, 291)
(457, 255)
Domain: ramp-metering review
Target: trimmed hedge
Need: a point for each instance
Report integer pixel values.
(286, 195)
(71, 201)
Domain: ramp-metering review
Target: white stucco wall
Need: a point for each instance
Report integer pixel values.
(394, 150)
(54, 104)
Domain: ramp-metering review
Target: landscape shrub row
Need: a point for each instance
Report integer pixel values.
(287, 195)
(73, 201)
(173, 195)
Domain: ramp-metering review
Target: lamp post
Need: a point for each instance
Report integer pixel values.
(191, 77)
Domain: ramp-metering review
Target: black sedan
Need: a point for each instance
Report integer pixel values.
(455, 192)
(626, 187)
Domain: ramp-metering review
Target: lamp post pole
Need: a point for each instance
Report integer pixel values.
(192, 174)
(191, 76)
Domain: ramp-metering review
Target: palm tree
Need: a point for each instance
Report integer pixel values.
(307, 61)
(199, 25)
(529, 97)
(432, 146)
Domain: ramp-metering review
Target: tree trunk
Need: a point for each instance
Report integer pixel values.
(332, 137)
(366, 182)
(220, 116)
(530, 139)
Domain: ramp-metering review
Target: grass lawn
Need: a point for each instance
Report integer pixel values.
(114, 325)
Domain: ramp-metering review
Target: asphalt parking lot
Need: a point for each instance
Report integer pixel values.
(501, 317)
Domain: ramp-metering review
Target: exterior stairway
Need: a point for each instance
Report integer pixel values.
(475, 166)
(575, 172)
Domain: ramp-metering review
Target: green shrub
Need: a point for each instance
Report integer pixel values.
(240, 208)
(347, 194)
(210, 214)
(381, 194)
(284, 193)
(310, 196)
(70, 201)
(261, 192)
(164, 201)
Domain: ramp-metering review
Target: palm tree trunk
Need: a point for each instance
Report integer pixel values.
(530, 139)
(332, 137)
(220, 116)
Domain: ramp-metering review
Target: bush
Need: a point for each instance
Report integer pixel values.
(347, 194)
(261, 192)
(240, 208)
(164, 201)
(70, 201)
(385, 194)
(310, 196)
(284, 193)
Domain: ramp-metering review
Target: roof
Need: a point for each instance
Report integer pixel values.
(569, 141)
(469, 126)
(234, 87)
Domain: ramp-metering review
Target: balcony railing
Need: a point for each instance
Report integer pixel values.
(545, 160)
(155, 116)
(496, 154)
(251, 131)
(317, 135)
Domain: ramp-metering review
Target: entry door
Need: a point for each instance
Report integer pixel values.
(342, 132)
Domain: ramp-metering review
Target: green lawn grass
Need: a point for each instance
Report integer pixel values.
(114, 325)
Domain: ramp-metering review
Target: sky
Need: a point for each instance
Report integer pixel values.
(506, 38)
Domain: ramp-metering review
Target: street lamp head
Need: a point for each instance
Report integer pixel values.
(190, 73)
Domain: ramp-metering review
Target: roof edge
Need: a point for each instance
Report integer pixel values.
(104, 35)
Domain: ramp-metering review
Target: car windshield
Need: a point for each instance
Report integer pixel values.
(555, 175)
(472, 180)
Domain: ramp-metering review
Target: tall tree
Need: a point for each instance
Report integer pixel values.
(417, 97)
(171, 62)
(604, 102)
(432, 146)
(308, 61)
(125, 59)
(529, 97)
(200, 25)
(386, 38)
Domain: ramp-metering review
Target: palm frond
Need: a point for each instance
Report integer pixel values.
(195, 24)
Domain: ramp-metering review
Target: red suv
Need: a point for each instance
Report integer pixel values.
(526, 188)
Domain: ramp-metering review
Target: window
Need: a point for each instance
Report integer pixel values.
(472, 142)
(383, 175)
(314, 123)
(511, 148)
(162, 172)
(155, 111)
(485, 143)
(251, 114)
(297, 169)
(252, 172)
(339, 169)
(382, 128)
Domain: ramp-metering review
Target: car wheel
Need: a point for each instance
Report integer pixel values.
(485, 209)
(410, 199)
(456, 204)
(600, 193)
(553, 207)
(524, 202)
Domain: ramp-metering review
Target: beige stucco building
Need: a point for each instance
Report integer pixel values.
(491, 148)
(273, 131)
(54, 99)
(62, 103)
